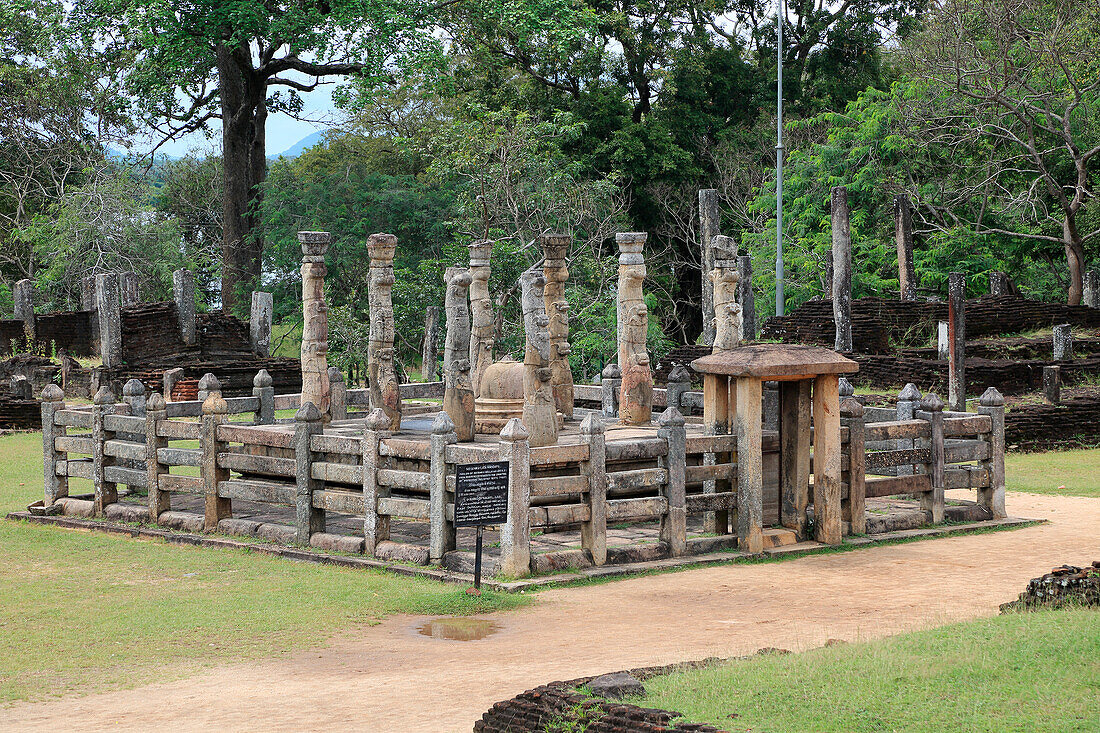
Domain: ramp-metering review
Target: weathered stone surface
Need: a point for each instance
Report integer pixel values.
(1063, 342)
(636, 391)
(242, 527)
(381, 358)
(610, 383)
(724, 279)
(130, 289)
(458, 395)
(259, 324)
(956, 339)
(1000, 284)
(943, 341)
(336, 542)
(184, 521)
(280, 533)
(108, 306)
(402, 552)
(429, 348)
(679, 382)
(903, 233)
(1052, 384)
(481, 307)
(540, 415)
(775, 360)
(134, 513)
(616, 686)
(560, 560)
(842, 269)
(1092, 289)
(22, 294)
(709, 221)
(555, 247)
(183, 293)
(20, 388)
(315, 384)
(745, 297)
(171, 378)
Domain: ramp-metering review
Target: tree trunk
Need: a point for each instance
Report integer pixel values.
(1075, 258)
(244, 115)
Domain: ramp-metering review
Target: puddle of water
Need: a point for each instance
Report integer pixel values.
(458, 629)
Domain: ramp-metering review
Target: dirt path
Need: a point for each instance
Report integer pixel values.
(389, 678)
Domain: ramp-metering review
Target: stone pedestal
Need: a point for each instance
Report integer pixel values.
(316, 388)
(381, 359)
(1052, 384)
(636, 392)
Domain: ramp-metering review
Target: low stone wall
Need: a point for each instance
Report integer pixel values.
(930, 375)
(1038, 426)
(561, 703)
(20, 414)
(1064, 586)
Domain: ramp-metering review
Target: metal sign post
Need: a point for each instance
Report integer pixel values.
(481, 500)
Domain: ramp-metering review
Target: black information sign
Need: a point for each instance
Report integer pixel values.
(481, 494)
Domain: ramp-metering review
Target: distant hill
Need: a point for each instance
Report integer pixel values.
(302, 145)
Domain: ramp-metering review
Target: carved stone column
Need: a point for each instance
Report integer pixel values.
(381, 368)
(481, 337)
(458, 395)
(728, 325)
(636, 392)
(540, 414)
(554, 249)
(315, 384)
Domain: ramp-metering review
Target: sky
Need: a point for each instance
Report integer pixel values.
(282, 130)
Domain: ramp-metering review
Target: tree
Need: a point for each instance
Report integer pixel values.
(1018, 80)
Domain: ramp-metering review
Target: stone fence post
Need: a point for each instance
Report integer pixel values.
(610, 384)
(443, 537)
(993, 498)
(854, 505)
(263, 390)
(376, 527)
(933, 501)
(515, 534)
(53, 400)
(674, 522)
(679, 382)
(1052, 384)
(338, 395)
(908, 399)
(133, 396)
(214, 410)
(106, 492)
(209, 385)
(156, 411)
(594, 531)
(310, 519)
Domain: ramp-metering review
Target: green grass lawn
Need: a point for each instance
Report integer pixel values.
(1046, 473)
(1020, 672)
(81, 612)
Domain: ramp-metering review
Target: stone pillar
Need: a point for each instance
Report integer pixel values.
(594, 531)
(842, 270)
(1063, 342)
(956, 328)
(156, 412)
(458, 387)
(21, 388)
(315, 384)
(540, 415)
(724, 278)
(933, 501)
(674, 523)
(611, 382)
(999, 284)
(171, 378)
(745, 298)
(906, 409)
(259, 324)
(481, 307)
(442, 538)
(555, 247)
(130, 290)
(1052, 384)
(105, 492)
(679, 382)
(1092, 289)
(903, 228)
(709, 225)
(309, 519)
(381, 359)
(263, 390)
(993, 497)
(56, 487)
(636, 393)
(515, 534)
(376, 527)
(23, 296)
(943, 341)
(827, 293)
(87, 293)
(429, 349)
(110, 319)
(183, 292)
(338, 395)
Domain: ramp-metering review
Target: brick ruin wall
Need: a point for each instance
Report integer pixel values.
(70, 332)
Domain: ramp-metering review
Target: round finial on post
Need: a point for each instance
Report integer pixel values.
(209, 383)
(314, 244)
(846, 388)
(992, 398)
(679, 373)
(671, 417)
(52, 393)
(308, 412)
(612, 371)
(592, 424)
(851, 407)
(133, 388)
(443, 424)
(215, 404)
(156, 403)
(262, 379)
(514, 430)
(909, 393)
(335, 376)
(377, 420)
(104, 396)
(931, 403)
